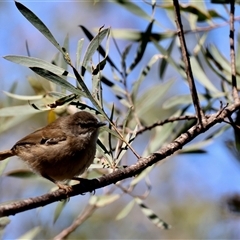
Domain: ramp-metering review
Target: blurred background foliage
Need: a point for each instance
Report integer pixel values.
(196, 191)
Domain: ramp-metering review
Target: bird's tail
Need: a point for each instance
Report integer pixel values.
(6, 154)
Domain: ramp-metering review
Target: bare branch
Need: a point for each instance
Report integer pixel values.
(186, 61)
(168, 120)
(232, 53)
(120, 174)
(88, 211)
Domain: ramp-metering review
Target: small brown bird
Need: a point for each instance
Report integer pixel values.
(62, 150)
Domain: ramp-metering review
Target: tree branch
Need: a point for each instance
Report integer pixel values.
(120, 174)
(186, 61)
(168, 120)
(232, 53)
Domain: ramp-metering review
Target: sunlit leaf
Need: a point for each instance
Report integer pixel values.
(143, 74)
(101, 201)
(151, 215)
(136, 36)
(126, 210)
(57, 80)
(20, 173)
(134, 8)
(37, 23)
(193, 9)
(59, 209)
(17, 111)
(92, 47)
(22, 97)
(31, 234)
(163, 63)
(151, 96)
(3, 166)
(141, 48)
(39, 63)
(100, 48)
(201, 76)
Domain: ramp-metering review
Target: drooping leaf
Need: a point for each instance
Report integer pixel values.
(21, 173)
(22, 97)
(193, 9)
(39, 63)
(59, 209)
(143, 74)
(79, 53)
(38, 24)
(163, 62)
(17, 111)
(201, 76)
(136, 36)
(31, 234)
(126, 210)
(92, 47)
(141, 48)
(57, 80)
(151, 215)
(3, 165)
(100, 49)
(103, 200)
(151, 96)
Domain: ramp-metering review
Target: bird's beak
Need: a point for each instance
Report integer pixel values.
(100, 124)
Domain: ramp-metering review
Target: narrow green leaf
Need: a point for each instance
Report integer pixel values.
(100, 49)
(133, 8)
(142, 47)
(37, 23)
(163, 64)
(14, 121)
(202, 15)
(124, 147)
(23, 97)
(179, 100)
(88, 93)
(141, 176)
(201, 76)
(17, 111)
(39, 63)
(143, 74)
(4, 221)
(92, 47)
(150, 97)
(196, 147)
(3, 166)
(126, 210)
(169, 59)
(31, 234)
(21, 173)
(59, 209)
(136, 36)
(63, 63)
(101, 201)
(149, 213)
(79, 53)
(57, 80)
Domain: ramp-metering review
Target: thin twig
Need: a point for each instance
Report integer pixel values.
(232, 53)
(88, 211)
(168, 120)
(186, 61)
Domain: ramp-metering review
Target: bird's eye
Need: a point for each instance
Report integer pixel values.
(86, 124)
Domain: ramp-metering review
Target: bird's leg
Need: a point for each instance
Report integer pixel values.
(60, 185)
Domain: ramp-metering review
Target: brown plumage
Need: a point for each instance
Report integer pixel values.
(61, 150)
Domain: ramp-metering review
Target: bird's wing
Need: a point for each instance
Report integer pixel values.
(43, 136)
